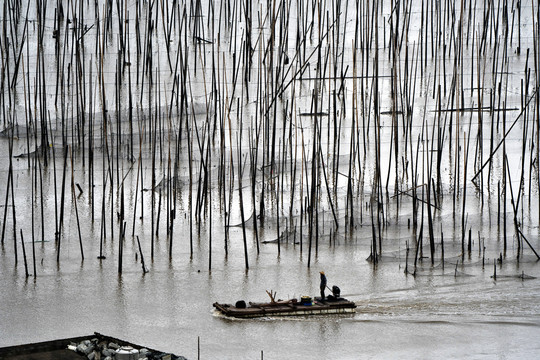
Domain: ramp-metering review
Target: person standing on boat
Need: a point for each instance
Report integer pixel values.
(323, 285)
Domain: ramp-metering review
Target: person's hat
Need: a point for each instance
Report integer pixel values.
(321, 272)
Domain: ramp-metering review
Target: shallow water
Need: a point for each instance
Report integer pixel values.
(435, 314)
(453, 308)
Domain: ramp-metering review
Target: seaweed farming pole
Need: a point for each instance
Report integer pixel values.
(170, 206)
(62, 197)
(74, 198)
(480, 102)
(515, 206)
(349, 209)
(394, 141)
(241, 198)
(528, 243)
(142, 256)
(227, 117)
(314, 173)
(24, 255)
(208, 173)
(377, 183)
(536, 95)
(120, 251)
(276, 186)
(153, 140)
(8, 187)
(190, 194)
(21, 47)
(13, 197)
(465, 166)
(33, 185)
(139, 172)
(429, 158)
(103, 231)
(302, 170)
(419, 242)
(521, 189)
(91, 118)
(263, 127)
(374, 257)
(253, 177)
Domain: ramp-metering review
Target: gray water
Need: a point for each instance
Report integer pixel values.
(435, 314)
(453, 308)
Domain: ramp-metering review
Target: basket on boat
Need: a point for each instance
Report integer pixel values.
(306, 300)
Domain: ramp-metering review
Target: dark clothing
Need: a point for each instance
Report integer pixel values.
(323, 286)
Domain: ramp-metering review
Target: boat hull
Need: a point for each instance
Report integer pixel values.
(341, 306)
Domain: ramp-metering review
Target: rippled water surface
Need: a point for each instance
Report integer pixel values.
(123, 120)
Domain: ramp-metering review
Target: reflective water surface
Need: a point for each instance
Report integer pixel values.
(435, 314)
(336, 125)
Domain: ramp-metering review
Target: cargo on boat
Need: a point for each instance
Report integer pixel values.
(293, 307)
(96, 346)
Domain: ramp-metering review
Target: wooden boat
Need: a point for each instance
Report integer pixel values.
(83, 348)
(294, 307)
